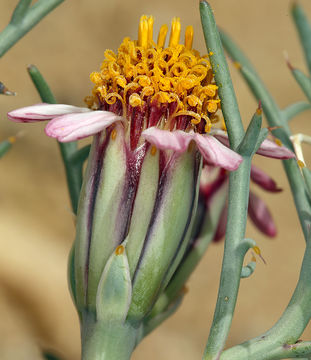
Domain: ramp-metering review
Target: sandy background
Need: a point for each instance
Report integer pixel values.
(36, 223)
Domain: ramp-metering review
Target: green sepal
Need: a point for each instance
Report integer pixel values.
(165, 238)
(5, 146)
(303, 81)
(304, 30)
(295, 109)
(114, 290)
(250, 139)
(71, 275)
(80, 155)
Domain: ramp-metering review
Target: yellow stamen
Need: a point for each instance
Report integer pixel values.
(153, 150)
(257, 250)
(135, 100)
(189, 37)
(162, 36)
(210, 53)
(113, 134)
(143, 32)
(150, 28)
(119, 250)
(278, 141)
(175, 32)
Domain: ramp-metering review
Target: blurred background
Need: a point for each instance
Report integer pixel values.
(36, 226)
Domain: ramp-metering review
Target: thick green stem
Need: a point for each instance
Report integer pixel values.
(68, 150)
(107, 341)
(23, 20)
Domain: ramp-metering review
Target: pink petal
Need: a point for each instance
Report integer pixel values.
(271, 149)
(215, 153)
(73, 127)
(263, 180)
(261, 216)
(168, 140)
(267, 148)
(43, 111)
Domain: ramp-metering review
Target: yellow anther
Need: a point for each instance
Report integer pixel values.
(257, 250)
(113, 134)
(121, 81)
(175, 32)
(189, 37)
(301, 164)
(164, 84)
(119, 250)
(150, 29)
(209, 90)
(193, 100)
(143, 80)
(162, 36)
(278, 141)
(153, 150)
(143, 32)
(135, 100)
(212, 106)
(12, 139)
(210, 53)
(96, 78)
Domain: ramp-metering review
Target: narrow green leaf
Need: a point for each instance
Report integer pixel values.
(304, 30)
(20, 11)
(226, 92)
(41, 85)
(307, 177)
(5, 147)
(114, 291)
(249, 142)
(304, 82)
(80, 155)
(295, 109)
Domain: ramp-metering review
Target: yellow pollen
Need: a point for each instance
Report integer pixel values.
(12, 139)
(162, 36)
(189, 37)
(253, 259)
(113, 134)
(301, 164)
(135, 100)
(143, 32)
(278, 141)
(142, 73)
(119, 250)
(175, 32)
(153, 150)
(210, 53)
(257, 250)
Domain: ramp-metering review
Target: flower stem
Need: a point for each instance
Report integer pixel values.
(107, 341)
(24, 19)
(68, 151)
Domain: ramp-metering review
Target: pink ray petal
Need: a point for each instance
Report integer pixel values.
(271, 149)
(267, 148)
(215, 153)
(263, 180)
(261, 216)
(41, 112)
(73, 127)
(168, 140)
